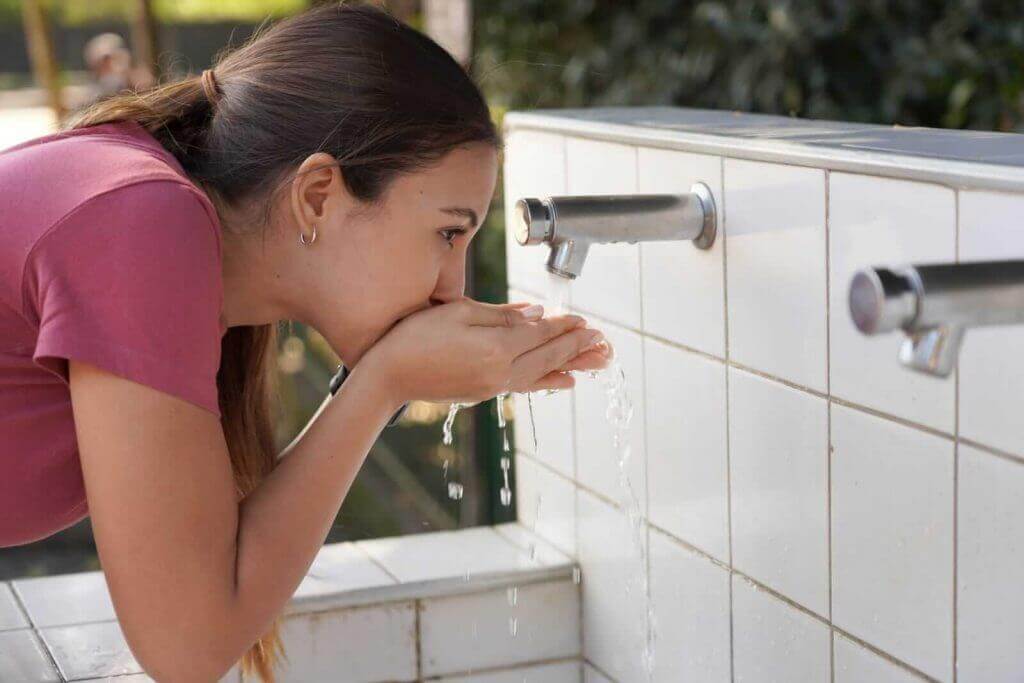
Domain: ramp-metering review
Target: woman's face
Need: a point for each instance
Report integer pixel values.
(376, 265)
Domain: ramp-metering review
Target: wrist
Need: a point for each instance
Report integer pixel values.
(372, 380)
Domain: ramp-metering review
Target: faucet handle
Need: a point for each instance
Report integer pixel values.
(532, 221)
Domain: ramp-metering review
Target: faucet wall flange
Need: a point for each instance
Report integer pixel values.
(706, 238)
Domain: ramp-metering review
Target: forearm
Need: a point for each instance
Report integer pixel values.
(285, 520)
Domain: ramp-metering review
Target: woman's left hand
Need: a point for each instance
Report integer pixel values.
(588, 360)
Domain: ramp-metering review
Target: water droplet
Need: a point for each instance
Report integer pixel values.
(446, 431)
(577, 575)
(513, 596)
(444, 469)
(505, 464)
(499, 401)
(455, 490)
(506, 497)
(513, 626)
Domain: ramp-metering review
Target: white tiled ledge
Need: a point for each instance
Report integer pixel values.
(436, 606)
(957, 158)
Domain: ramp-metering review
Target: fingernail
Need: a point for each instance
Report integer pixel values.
(581, 322)
(534, 312)
(595, 339)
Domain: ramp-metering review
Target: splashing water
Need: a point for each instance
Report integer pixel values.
(455, 490)
(619, 414)
(506, 492)
(446, 430)
(506, 462)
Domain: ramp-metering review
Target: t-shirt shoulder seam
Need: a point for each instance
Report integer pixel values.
(136, 181)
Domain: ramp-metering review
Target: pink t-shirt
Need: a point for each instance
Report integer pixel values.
(111, 255)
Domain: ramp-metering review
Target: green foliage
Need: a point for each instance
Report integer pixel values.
(952, 63)
(71, 13)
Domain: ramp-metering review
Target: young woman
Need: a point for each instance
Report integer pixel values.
(332, 170)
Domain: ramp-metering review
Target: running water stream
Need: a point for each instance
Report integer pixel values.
(619, 414)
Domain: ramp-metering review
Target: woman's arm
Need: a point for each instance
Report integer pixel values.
(195, 576)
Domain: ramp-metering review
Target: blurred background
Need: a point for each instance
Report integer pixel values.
(955, 64)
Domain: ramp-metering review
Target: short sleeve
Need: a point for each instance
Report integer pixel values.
(131, 282)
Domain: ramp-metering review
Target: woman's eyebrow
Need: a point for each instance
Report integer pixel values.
(463, 211)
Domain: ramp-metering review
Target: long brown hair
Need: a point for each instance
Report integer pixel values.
(344, 78)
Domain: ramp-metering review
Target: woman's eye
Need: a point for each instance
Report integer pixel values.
(450, 234)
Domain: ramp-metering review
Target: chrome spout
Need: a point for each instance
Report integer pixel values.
(569, 225)
(935, 304)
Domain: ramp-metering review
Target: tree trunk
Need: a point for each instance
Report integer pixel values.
(41, 53)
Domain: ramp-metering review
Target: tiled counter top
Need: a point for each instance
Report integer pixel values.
(492, 603)
(958, 158)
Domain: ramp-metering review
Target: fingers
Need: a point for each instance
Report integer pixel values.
(588, 360)
(523, 338)
(553, 380)
(499, 315)
(555, 353)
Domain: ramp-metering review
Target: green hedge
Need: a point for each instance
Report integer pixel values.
(943, 64)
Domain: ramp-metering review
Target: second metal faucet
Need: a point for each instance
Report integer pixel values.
(571, 224)
(934, 304)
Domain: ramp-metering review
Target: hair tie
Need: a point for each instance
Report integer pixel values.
(210, 86)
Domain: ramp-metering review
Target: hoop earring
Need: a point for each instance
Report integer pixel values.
(302, 236)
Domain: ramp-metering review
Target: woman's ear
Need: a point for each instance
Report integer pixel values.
(318, 192)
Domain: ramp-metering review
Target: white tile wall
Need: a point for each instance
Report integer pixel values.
(856, 664)
(892, 538)
(841, 511)
(546, 503)
(614, 606)
(773, 641)
(592, 675)
(683, 298)
(558, 672)
(11, 616)
(506, 627)
(990, 602)
(880, 222)
(690, 597)
(341, 567)
(991, 365)
(368, 644)
(23, 658)
(775, 256)
(609, 285)
(445, 554)
(86, 651)
(534, 167)
(778, 447)
(686, 446)
(66, 599)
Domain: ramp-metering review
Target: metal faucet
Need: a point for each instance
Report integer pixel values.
(571, 224)
(935, 304)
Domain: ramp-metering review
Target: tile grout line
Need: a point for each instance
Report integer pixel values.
(784, 599)
(728, 462)
(598, 669)
(417, 606)
(867, 410)
(35, 630)
(956, 452)
(828, 420)
(646, 550)
(570, 305)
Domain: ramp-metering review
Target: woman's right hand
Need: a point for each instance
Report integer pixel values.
(469, 351)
